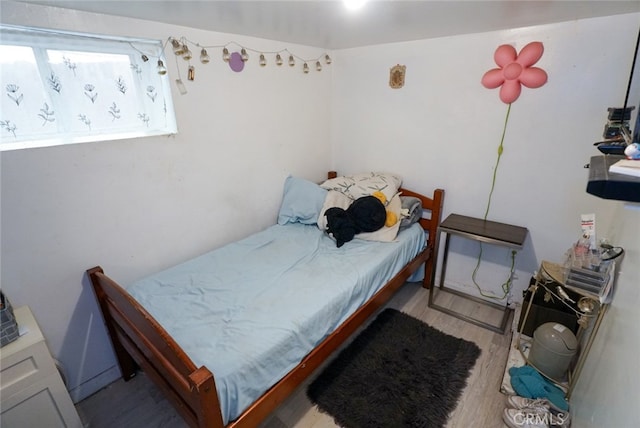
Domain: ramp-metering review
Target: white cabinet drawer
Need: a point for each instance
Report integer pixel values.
(32, 393)
(24, 368)
(41, 404)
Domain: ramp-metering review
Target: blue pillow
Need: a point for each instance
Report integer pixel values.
(302, 201)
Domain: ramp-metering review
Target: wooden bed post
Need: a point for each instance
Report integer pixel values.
(433, 240)
(205, 393)
(140, 342)
(127, 364)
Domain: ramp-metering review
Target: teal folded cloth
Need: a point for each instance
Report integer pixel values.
(529, 383)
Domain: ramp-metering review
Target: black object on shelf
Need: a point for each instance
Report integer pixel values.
(609, 185)
(8, 324)
(548, 311)
(612, 147)
(620, 114)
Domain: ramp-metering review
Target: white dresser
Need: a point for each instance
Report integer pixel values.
(32, 393)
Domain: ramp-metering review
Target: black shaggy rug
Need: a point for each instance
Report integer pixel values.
(399, 372)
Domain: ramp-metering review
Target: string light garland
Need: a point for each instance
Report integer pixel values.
(181, 49)
(236, 60)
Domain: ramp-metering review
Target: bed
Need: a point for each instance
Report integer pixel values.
(229, 335)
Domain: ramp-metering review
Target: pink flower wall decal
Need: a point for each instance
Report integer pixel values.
(515, 70)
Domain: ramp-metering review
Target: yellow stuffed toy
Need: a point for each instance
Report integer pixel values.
(392, 218)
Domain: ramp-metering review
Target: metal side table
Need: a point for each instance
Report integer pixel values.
(490, 232)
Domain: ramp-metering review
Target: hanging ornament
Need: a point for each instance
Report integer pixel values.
(225, 55)
(327, 59)
(162, 70)
(396, 76)
(263, 60)
(191, 73)
(177, 47)
(235, 62)
(244, 54)
(278, 60)
(305, 68)
(145, 58)
(292, 61)
(187, 55)
(204, 56)
(181, 87)
(318, 66)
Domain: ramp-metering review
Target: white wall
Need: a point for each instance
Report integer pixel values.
(139, 205)
(135, 206)
(606, 394)
(443, 130)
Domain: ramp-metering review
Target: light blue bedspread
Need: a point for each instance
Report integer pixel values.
(252, 310)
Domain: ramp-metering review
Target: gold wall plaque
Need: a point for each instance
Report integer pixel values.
(396, 76)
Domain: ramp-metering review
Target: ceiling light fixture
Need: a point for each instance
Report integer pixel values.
(354, 4)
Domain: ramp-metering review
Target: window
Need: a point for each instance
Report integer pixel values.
(63, 88)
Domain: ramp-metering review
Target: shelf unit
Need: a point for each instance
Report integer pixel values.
(609, 185)
(589, 320)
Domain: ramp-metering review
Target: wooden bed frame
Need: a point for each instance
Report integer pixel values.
(140, 342)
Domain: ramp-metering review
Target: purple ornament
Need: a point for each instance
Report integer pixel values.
(235, 62)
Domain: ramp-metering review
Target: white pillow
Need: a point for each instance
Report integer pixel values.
(359, 185)
(333, 199)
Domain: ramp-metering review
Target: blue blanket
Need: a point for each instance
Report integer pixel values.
(252, 310)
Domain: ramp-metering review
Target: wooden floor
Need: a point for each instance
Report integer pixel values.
(140, 404)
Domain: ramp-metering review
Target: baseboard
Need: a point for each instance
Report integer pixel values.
(469, 288)
(94, 384)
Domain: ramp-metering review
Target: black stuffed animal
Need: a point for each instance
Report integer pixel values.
(365, 214)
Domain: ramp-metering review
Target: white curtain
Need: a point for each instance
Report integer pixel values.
(68, 87)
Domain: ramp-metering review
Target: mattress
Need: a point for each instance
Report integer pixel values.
(252, 310)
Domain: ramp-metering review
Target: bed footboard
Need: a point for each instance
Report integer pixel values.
(138, 340)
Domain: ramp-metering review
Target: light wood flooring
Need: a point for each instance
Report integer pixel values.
(138, 403)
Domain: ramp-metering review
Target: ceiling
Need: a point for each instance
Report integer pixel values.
(329, 24)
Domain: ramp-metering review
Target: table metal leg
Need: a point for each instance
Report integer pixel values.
(445, 256)
(502, 328)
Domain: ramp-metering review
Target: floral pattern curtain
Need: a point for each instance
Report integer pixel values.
(71, 89)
